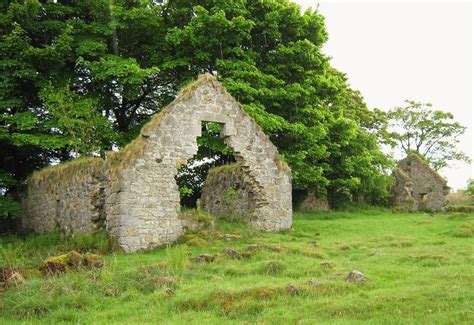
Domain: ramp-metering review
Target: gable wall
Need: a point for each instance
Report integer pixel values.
(427, 188)
(149, 199)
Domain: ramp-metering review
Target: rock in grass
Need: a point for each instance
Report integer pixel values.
(93, 261)
(259, 247)
(229, 237)
(292, 290)
(327, 264)
(11, 277)
(59, 264)
(345, 247)
(232, 253)
(355, 276)
(52, 268)
(204, 258)
(73, 258)
(313, 282)
(166, 281)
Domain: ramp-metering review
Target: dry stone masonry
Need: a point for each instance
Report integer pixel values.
(313, 202)
(228, 192)
(418, 187)
(68, 197)
(134, 193)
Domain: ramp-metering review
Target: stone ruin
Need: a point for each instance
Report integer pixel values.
(228, 193)
(312, 202)
(418, 187)
(133, 193)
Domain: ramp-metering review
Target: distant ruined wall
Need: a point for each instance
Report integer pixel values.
(228, 193)
(135, 190)
(403, 189)
(418, 187)
(312, 202)
(69, 200)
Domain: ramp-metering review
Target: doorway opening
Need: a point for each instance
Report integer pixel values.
(212, 152)
(423, 202)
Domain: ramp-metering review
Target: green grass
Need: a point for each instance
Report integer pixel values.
(419, 270)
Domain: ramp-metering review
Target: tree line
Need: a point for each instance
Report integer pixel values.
(81, 77)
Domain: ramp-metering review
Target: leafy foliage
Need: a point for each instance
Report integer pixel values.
(81, 77)
(470, 187)
(212, 151)
(431, 133)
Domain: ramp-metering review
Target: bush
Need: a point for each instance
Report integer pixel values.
(9, 207)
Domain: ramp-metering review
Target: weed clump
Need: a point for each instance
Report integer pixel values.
(177, 259)
(196, 242)
(193, 240)
(145, 279)
(10, 278)
(232, 304)
(194, 220)
(204, 258)
(466, 230)
(274, 268)
(232, 253)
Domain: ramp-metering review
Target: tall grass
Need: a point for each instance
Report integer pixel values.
(31, 249)
(177, 259)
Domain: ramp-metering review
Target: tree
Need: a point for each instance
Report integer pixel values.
(470, 187)
(82, 77)
(431, 133)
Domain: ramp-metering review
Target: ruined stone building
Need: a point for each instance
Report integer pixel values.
(133, 193)
(418, 187)
(312, 202)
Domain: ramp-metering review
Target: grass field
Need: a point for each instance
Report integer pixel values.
(419, 269)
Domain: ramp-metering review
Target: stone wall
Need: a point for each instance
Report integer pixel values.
(148, 214)
(69, 198)
(228, 193)
(418, 187)
(312, 202)
(135, 189)
(402, 190)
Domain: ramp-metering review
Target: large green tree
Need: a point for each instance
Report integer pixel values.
(80, 77)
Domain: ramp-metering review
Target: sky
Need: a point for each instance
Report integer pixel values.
(397, 50)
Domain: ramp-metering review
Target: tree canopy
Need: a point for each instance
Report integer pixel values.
(433, 134)
(78, 78)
